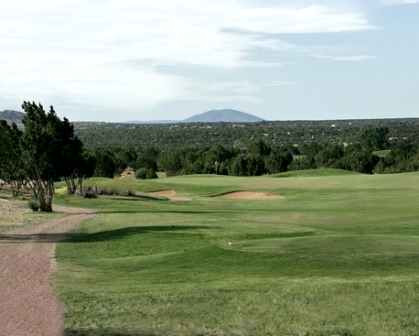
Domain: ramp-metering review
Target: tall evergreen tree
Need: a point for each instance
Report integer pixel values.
(50, 151)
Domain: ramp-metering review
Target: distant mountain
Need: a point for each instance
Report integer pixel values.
(223, 116)
(213, 116)
(153, 122)
(12, 116)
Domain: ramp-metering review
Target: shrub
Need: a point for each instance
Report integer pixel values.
(33, 205)
(144, 173)
(132, 192)
(151, 174)
(90, 192)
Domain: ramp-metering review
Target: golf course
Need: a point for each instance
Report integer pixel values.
(336, 253)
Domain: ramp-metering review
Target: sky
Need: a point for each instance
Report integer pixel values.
(125, 60)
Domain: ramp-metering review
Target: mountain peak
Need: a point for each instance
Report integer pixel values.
(226, 115)
(12, 116)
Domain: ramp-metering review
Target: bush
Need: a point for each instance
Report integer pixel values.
(33, 205)
(128, 192)
(109, 192)
(144, 173)
(90, 192)
(132, 192)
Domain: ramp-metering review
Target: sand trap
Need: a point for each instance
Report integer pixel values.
(165, 193)
(250, 195)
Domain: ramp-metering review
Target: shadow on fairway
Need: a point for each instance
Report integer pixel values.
(128, 231)
(164, 211)
(92, 237)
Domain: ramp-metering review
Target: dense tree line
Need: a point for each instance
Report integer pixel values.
(261, 158)
(274, 133)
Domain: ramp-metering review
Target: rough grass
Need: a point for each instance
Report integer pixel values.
(15, 213)
(339, 255)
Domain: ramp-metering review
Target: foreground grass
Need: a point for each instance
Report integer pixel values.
(339, 255)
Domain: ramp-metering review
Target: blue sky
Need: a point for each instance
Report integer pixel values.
(111, 60)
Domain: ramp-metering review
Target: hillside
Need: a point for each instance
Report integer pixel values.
(226, 115)
(12, 116)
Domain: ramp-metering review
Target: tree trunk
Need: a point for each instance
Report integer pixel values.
(71, 185)
(43, 192)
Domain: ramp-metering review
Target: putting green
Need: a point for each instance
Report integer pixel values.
(368, 244)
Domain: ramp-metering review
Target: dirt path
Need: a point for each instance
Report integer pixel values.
(28, 305)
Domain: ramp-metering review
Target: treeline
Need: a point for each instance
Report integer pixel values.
(240, 135)
(260, 158)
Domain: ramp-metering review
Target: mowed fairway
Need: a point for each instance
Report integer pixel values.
(338, 255)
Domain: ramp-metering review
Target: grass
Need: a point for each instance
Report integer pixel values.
(382, 153)
(338, 255)
(15, 213)
(315, 173)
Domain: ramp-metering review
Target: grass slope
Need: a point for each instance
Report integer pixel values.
(316, 172)
(338, 255)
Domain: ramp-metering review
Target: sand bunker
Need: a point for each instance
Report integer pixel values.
(165, 193)
(250, 195)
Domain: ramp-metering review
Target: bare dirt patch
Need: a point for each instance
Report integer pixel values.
(250, 195)
(27, 259)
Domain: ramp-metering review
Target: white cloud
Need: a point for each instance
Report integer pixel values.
(106, 53)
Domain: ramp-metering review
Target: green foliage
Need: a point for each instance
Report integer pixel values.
(306, 162)
(259, 148)
(11, 165)
(278, 160)
(403, 157)
(247, 165)
(33, 205)
(361, 162)
(49, 151)
(125, 157)
(170, 161)
(147, 159)
(144, 173)
(106, 163)
(328, 156)
(374, 139)
(240, 136)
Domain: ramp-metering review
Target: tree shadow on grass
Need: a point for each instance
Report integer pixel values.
(198, 212)
(92, 237)
(128, 231)
(135, 198)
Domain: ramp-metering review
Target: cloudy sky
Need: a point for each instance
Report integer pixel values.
(121, 60)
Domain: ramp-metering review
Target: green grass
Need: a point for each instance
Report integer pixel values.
(338, 255)
(315, 172)
(382, 153)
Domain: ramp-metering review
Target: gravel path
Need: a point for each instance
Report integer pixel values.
(28, 305)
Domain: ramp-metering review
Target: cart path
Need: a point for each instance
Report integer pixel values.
(28, 304)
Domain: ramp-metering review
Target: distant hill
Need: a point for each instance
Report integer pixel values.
(12, 116)
(153, 122)
(223, 116)
(226, 115)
